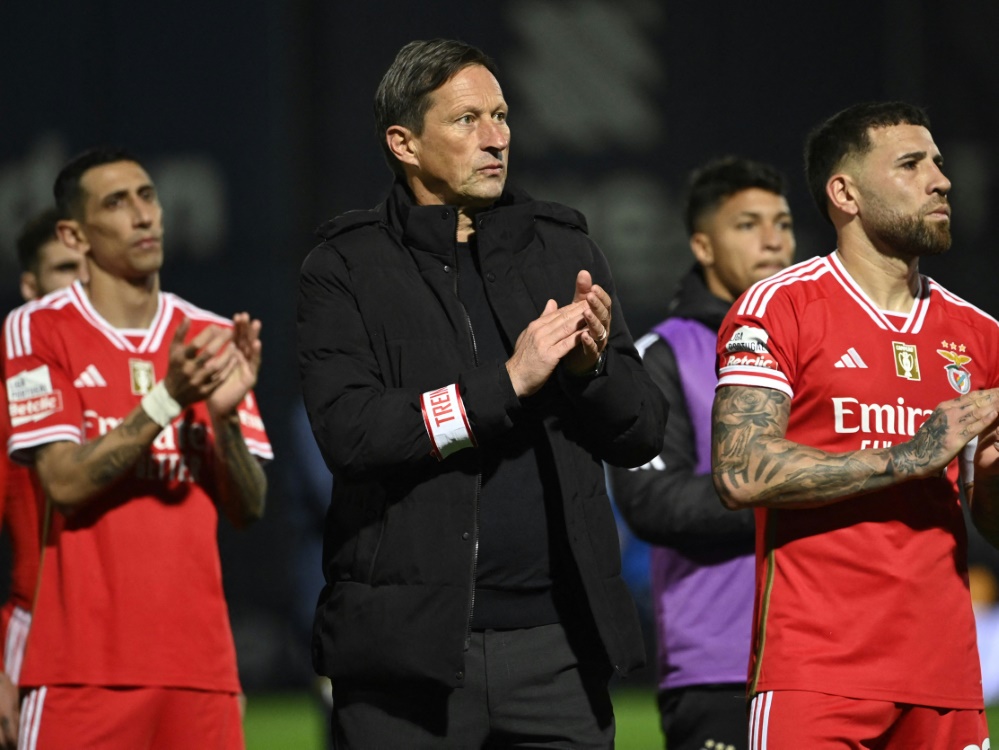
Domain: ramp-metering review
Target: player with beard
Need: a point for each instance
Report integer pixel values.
(848, 386)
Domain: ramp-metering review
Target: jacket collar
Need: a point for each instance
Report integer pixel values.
(694, 301)
(433, 229)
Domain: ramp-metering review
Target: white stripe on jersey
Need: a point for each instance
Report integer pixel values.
(958, 301)
(915, 322)
(859, 296)
(197, 313)
(90, 314)
(913, 319)
(754, 302)
(13, 648)
(754, 376)
(17, 328)
(259, 449)
(27, 440)
(160, 324)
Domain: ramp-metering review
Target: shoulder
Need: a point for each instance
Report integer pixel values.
(198, 316)
(960, 308)
(517, 205)
(37, 318)
(351, 221)
(649, 341)
(559, 215)
(353, 234)
(656, 351)
(794, 285)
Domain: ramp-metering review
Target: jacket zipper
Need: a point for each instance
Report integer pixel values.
(478, 476)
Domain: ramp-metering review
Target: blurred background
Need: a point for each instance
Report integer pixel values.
(254, 119)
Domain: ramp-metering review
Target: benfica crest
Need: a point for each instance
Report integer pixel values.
(957, 376)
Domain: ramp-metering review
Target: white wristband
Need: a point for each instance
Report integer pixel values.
(966, 462)
(160, 406)
(447, 425)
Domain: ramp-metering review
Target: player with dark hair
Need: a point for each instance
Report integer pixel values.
(135, 409)
(466, 371)
(848, 384)
(46, 265)
(702, 564)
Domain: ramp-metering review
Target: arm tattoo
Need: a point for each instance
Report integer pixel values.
(242, 482)
(752, 458)
(117, 461)
(925, 447)
(112, 466)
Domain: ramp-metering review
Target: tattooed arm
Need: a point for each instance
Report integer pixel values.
(754, 465)
(242, 484)
(73, 475)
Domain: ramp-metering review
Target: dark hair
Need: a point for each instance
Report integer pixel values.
(39, 231)
(67, 190)
(419, 69)
(847, 133)
(720, 179)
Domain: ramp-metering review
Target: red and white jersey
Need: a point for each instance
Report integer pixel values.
(21, 508)
(131, 584)
(868, 597)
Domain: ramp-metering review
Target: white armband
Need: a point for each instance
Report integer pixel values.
(447, 424)
(160, 405)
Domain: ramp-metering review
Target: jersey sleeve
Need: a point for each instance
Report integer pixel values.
(758, 339)
(252, 427)
(43, 405)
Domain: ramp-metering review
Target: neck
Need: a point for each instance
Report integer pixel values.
(890, 280)
(466, 223)
(124, 303)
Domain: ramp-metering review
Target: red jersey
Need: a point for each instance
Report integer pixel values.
(868, 597)
(21, 507)
(131, 585)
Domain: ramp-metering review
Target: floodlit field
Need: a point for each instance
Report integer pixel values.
(292, 721)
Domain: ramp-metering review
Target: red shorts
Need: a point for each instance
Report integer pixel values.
(786, 719)
(155, 718)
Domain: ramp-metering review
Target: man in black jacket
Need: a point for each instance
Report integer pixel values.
(702, 567)
(466, 371)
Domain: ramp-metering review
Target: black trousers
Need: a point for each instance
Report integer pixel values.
(705, 717)
(524, 688)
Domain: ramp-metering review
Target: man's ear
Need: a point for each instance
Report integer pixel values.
(71, 235)
(841, 191)
(403, 144)
(29, 286)
(703, 250)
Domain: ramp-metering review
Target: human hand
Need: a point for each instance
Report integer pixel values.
(593, 339)
(543, 344)
(986, 455)
(9, 713)
(951, 426)
(197, 368)
(242, 377)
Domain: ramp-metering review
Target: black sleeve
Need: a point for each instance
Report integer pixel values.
(363, 426)
(666, 502)
(624, 412)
